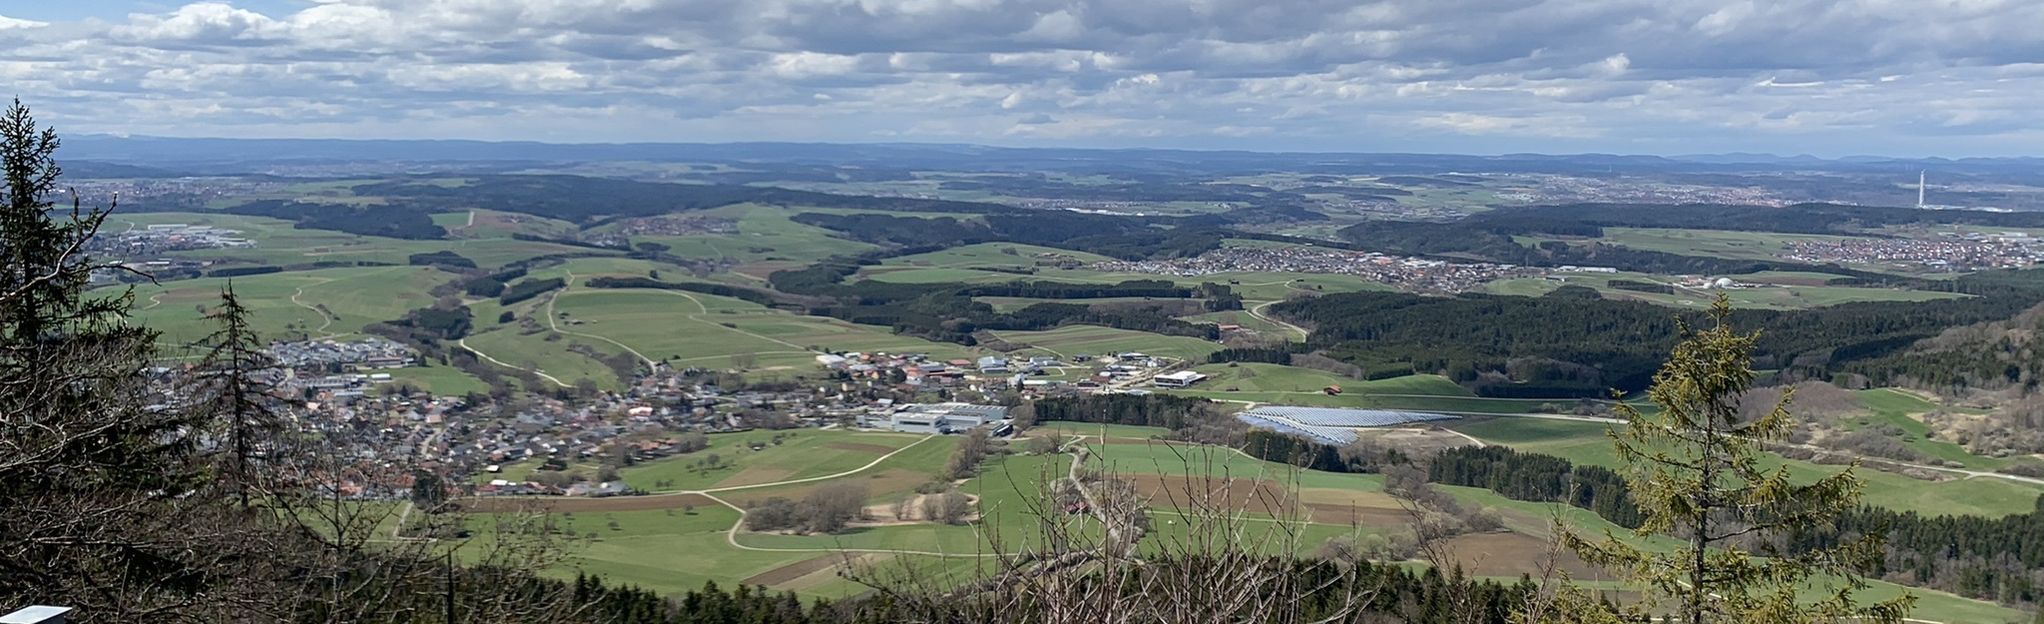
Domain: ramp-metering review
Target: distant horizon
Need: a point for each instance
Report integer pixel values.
(1682, 157)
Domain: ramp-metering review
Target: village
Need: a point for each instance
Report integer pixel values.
(1411, 273)
(1948, 253)
(572, 444)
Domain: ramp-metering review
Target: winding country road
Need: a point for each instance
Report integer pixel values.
(1258, 313)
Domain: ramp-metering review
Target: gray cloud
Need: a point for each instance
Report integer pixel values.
(1844, 76)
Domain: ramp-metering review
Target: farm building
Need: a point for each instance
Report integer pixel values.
(1178, 379)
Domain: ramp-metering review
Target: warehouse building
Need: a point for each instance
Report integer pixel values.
(945, 417)
(1178, 379)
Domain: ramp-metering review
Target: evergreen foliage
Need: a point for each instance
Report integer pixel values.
(1693, 470)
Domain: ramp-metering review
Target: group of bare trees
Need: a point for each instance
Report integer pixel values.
(827, 509)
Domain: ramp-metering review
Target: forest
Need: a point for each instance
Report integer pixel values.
(394, 220)
(1128, 238)
(1566, 345)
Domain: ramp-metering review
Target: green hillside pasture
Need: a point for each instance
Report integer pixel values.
(1713, 243)
(1243, 318)
(550, 357)
(885, 482)
(1586, 443)
(764, 233)
(1096, 340)
(802, 454)
(355, 296)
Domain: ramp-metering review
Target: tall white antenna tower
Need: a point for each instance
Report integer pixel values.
(1919, 187)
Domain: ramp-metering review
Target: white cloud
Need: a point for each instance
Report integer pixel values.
(1608, 75)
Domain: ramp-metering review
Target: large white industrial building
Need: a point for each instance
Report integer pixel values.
(945, 417)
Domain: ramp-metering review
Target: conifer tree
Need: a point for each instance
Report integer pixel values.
(1697, 473)
(92, 464)
(234, 394)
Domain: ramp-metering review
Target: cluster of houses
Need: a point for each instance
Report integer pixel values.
(388, 436)
(343, 355)
(167, 237)
(1408, 272)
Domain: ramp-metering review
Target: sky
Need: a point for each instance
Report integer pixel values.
(1823, 77)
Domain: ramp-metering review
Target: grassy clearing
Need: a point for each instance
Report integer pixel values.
(1003, 255)
(1096, 340)
(1244, 319)
(765, 234)
(801, 454)
(1714, 243)
(1887, 407)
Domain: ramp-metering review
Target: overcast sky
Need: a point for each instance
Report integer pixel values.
(1827, 77)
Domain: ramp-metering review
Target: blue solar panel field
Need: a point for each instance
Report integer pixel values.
(1329, 425)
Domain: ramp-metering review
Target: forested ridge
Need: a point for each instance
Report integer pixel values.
(1563, 346)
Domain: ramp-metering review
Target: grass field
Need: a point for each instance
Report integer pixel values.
(352, 298)
(1242, 318)
(1898, 409)
(801, 454)
(765, 234)
(1586, 443)
(1713, 243)
(682, 544)
(685, 328)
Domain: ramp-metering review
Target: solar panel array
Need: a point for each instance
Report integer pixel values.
(1340, 417)
(1325, 435)
(1327, 425)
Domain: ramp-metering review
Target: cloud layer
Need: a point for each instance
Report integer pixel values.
(1903, 77)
